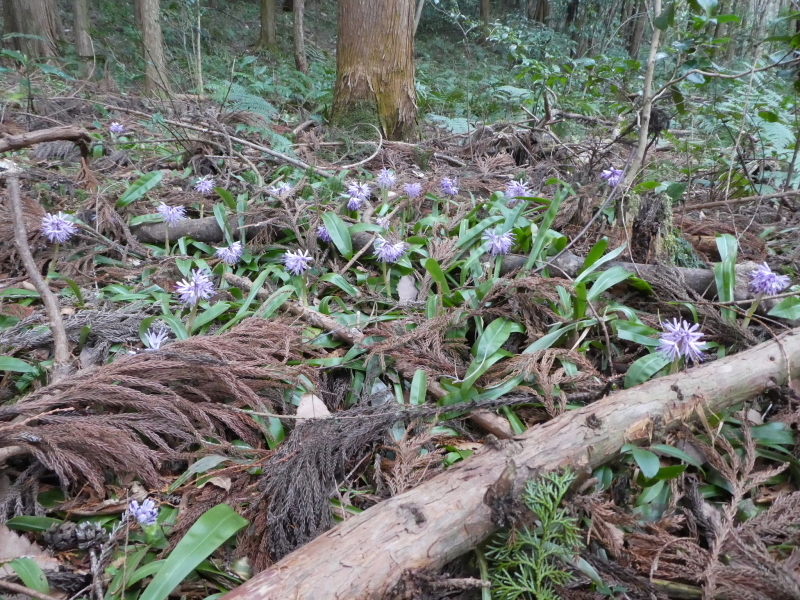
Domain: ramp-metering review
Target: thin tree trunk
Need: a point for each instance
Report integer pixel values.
(83, 44)
(34, 18)
(375, 65)
(300, 59)
(148, 15)
(268, 38)
(445, 517)
(485, 10)
(418, 15)
(731, 53)
(639, 17)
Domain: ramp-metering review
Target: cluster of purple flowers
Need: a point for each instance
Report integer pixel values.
(297, 263)
(359, 193)
(499, 243)
(145, 513)
(449, 186)
(57, 228)
(230, 255)
(205, 185)
(764, 282)
(116, 128)
(681, 340)
(386, 180)
(612, 176)
(155, 338)
(388, 252)
(516, 190)
(283, 188)
(198, 287)
(323, 234)
(171, 214)
(412, 190)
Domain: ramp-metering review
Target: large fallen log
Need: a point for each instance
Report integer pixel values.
(445, 517)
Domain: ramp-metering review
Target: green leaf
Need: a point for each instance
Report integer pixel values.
(636, 332)
(242, 312)
(596, 252)
(676, 453)
(607, 280)
(644, 368)
(340, 282)
(31, 574)
(339, 233)
(8, 363)
(208, 533)
(647, 461)
(494, 336)
(788, 308)
(728, 246)
(210, 314)
(227, 198)
(139, 188)
(667, 17)
(36, 524)
(201, 466)
(275, 301)
(432, 266)
(544, 226)
(419, 387)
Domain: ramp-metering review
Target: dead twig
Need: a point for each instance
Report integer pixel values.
(21, 589)
(745, 200)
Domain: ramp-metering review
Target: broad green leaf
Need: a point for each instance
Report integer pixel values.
(37, 524)
(340, 282)
(339, 233)
(419, 387)
(470, 235)
(607, 280)
(590, 268)
(494, 336)
(544, 226)
(210, 314)
(667, 17)
(644, 368)
(636, 332)
(547, 340)
(788, 308)
(242, 312)
(728, 247)
(147, 570)
(596, 252)
(139, 188)
(432, 266)
(31, 574)
(675, 453)
(275, 301)
(647, 461)
(479, 367)
(227, 198)
(9, 363)
(201, 466)
(208, 533)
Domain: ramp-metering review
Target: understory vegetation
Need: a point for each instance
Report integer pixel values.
(252, 324)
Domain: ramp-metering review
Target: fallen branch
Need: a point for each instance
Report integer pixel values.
(15, 142)
(745, 200)
(62, 355)
(366, 556)
(21, 589)
(485, 419)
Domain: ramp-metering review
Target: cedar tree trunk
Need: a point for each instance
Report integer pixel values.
(33, 17)
(268, 38)
(83, 44)
(485, 11)
(148, 17)
(375, 66)
(300, 59)
(638, 29)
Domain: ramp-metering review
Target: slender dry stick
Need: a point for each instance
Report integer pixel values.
(52, 309)
(21, 589)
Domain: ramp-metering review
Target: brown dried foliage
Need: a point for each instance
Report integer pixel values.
(129, 416)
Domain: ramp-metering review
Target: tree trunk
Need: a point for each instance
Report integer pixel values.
(148, 17)
(443, 518)
(485, 9)
(375, 66)
(268, 38)
(300, 60)
(36, 18)
(538, 10)
(639, 17)
(83, 44)
(418, 15)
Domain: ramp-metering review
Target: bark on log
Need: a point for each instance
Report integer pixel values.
(14, 142)
(445, 517)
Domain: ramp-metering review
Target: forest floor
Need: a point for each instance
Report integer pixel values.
(208, 415)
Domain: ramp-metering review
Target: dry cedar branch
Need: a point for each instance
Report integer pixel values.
(448, 515)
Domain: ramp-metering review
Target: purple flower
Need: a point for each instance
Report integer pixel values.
(145, 513)
(230, 255)
(382, 222)
(116, 128)
(171, 214)
(205, 185)
(155, 338)
(197, 287)
(388, 252)
(412, 190)
(612, 176)
(681, 340)
(449, 186)
(498, 243)
(386, 179)
(58, 228)
(282, 188)
(297, 262)
(323, 235)
(358, 192)
(764, 281)
(515, 190)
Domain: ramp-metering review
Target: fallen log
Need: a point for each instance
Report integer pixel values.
(74, 134)
(443, 518)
